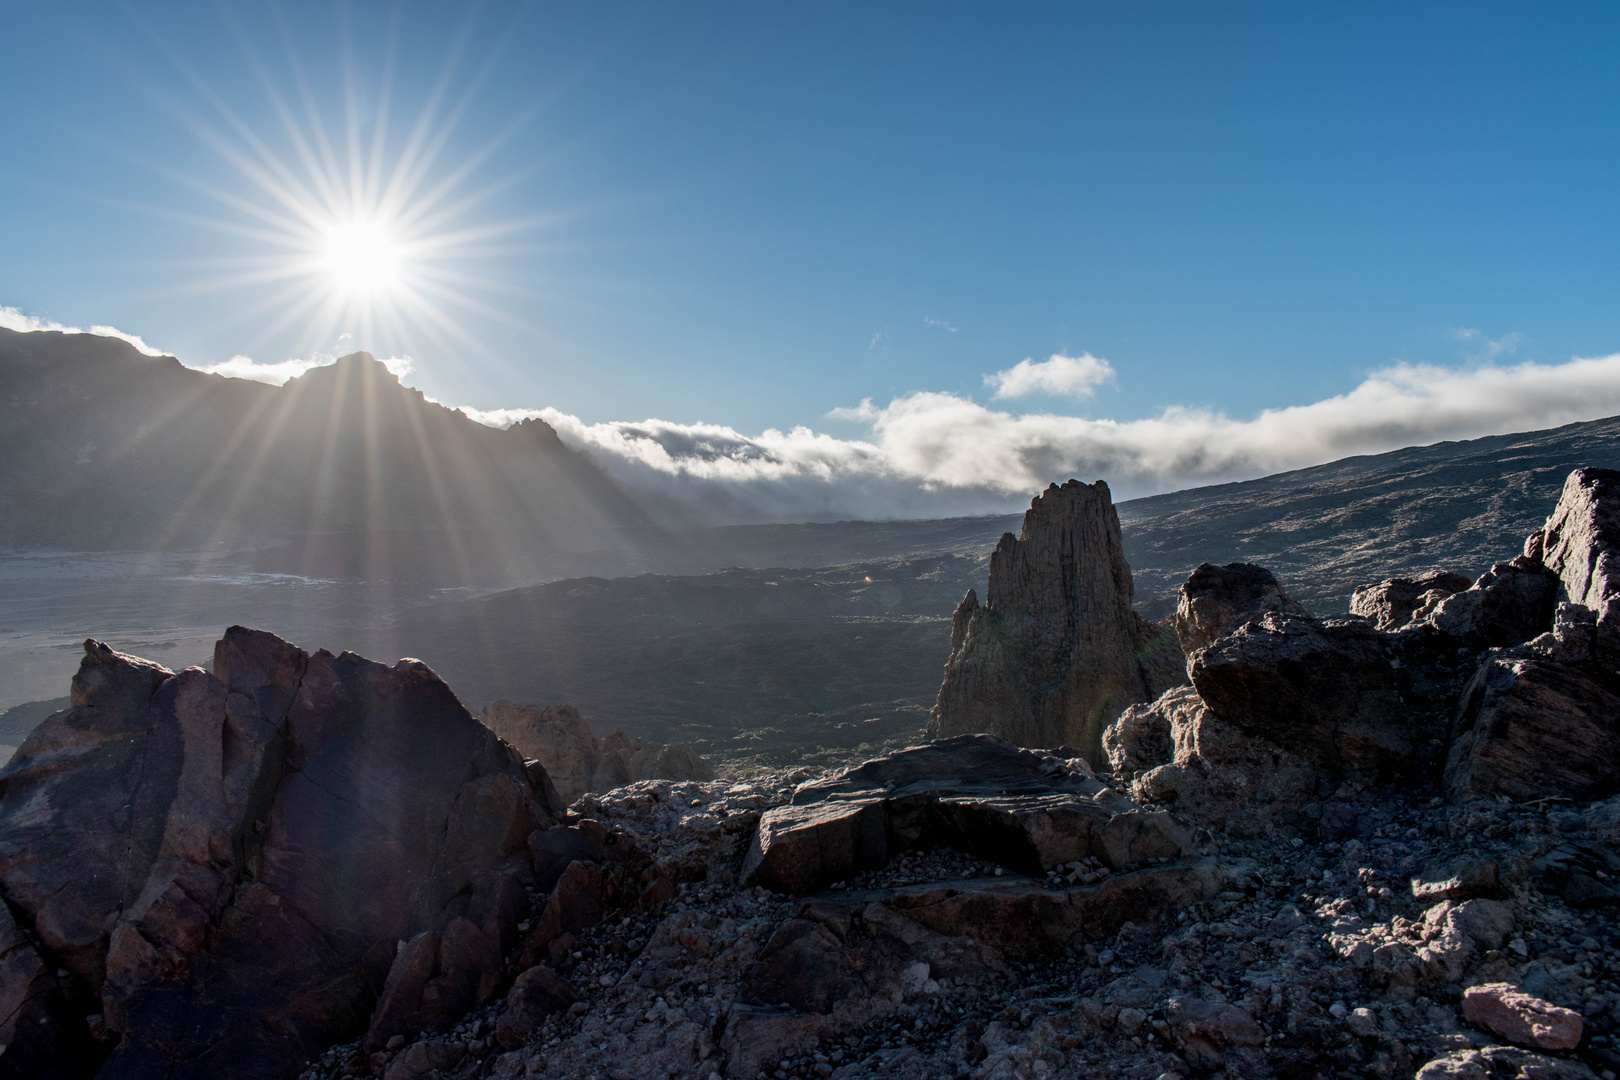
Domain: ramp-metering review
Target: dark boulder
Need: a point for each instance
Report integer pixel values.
(223, 863)
(1324, 690)
(1216, 600)
(1529, 728)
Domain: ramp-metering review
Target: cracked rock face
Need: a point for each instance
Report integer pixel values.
(1055, 653)
(221, 863)
(1029, 812)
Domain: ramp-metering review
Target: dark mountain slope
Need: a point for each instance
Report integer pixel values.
(106, 448)
(1324, 530)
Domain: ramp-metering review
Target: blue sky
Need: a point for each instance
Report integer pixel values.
(749, 215)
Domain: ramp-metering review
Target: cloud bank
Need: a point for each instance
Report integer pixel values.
(1062, 376)
(13, 319)
(932, 454)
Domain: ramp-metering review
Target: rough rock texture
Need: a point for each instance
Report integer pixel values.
(1510, 603)
(1216, 600)
(1325, 690)
(1209, 769)
(1391, 603)
(1027, 811)
(577, 761)
(1531, 728)
(1522, 1018)
(1316, 957)
(1503, 1063)
(220, 864)
(1055, 653)
(1581, 544)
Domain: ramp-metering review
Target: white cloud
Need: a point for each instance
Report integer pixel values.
(1062, 376)
(13, 319)
(941, 323)
(935, 454)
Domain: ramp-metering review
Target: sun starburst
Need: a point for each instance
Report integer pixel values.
(348, 228)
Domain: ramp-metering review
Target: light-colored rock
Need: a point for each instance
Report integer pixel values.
(1390, 604)
(1055, 653)
(1522, 1018)
(1580, 542)
(1503, 1063)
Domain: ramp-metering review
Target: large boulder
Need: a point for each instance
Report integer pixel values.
(1325, 690)
(1216, 600)
(577, 762)
(1531, 728)
(1580, 542)
(1181, 753)
(1027, 811)
(1055, 653)
(224, 862)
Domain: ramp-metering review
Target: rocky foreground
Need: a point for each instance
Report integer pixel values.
(1370, 846)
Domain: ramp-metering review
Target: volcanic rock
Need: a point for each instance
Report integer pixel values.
(1216, 600)
(1503, 1063)
(1055, 653)
(1207, 768)
(1324, 690)
(222, 863)
(577, 761)
(1391, 603)
(1510, 603)
(1529, 728)
(1580, 542)
(1029, 812)
(1522, 1018)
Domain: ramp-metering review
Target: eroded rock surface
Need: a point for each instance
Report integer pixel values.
(1216, 600)
(1055, 653)
(221, 863)
(577, 761)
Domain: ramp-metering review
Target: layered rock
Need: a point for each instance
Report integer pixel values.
(1055, 653)
(577, 762)
(1530, 728)
(1581, 544)
(221, 864)
(1029, 812)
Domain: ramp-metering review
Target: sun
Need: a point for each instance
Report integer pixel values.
(362, 258)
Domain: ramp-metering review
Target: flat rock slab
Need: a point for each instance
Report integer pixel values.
(1024, 810)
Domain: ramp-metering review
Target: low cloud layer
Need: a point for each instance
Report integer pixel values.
(1061, 376)
(937, 454)
(13, 319)
(279, 371)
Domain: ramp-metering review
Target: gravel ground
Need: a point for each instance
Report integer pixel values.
(1316, 961)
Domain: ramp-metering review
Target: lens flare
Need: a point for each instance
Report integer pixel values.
(362, 258)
